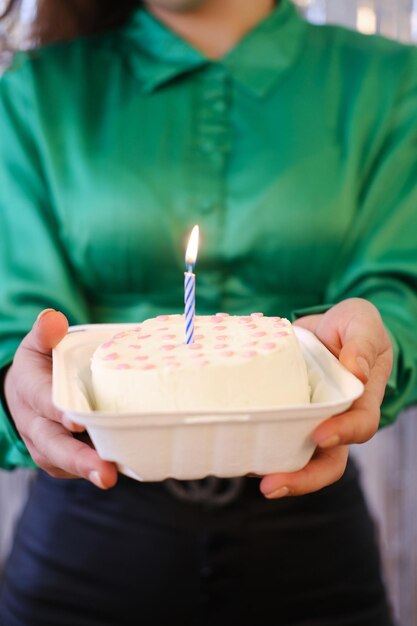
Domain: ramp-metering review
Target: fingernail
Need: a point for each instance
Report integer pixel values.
(330, 442)
(72, 426)
(364, 366)
(95, 478)
(278, 493)
(43, 313)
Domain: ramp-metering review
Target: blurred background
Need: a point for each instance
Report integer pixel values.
(393, 18)
(389, 460)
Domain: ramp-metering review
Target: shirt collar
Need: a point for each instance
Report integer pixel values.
(157, 55)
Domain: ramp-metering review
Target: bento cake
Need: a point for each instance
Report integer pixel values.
(247, 362)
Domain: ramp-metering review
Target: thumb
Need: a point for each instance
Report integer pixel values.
(359, 355)
(354, 331)
(49, 328)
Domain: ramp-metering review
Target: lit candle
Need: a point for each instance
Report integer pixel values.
(189, 285)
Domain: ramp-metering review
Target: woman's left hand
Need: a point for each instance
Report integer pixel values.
(353, 330)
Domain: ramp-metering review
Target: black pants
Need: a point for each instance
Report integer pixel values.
(137, 555)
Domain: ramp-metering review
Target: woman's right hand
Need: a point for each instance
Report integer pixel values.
(47, 433)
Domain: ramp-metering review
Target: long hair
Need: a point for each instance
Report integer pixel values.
(26, 24)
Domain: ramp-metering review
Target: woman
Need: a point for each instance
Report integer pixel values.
(293, 146)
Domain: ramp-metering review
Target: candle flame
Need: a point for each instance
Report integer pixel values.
(192, 248)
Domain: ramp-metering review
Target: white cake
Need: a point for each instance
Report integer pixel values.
(248, 362)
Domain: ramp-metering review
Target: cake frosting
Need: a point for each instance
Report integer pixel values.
(247, 362)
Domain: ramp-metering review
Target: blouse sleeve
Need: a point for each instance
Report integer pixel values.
(34, 271)
(379, 260)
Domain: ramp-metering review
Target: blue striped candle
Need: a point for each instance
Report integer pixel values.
(189, 285)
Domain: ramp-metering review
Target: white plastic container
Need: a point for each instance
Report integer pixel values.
(186, 446)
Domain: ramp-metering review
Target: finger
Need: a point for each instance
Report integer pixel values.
(365, 360)
(361, 421)
(354, 426)
(364, 339)
(354, 332)
(69, 454)
(71, 426)
(35, 392)
(49, 328)
(42, 404)
(327, 333)
(309, 321)
(359, 355)
(325, 468)
(42, 461)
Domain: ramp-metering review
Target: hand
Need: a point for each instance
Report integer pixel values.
(354, 332)
(47, 433)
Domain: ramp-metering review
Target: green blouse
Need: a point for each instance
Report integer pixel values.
(296, 154)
